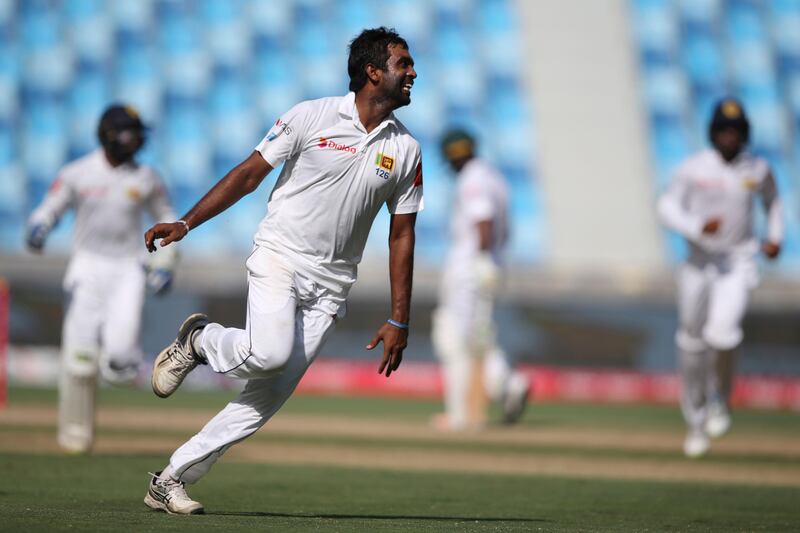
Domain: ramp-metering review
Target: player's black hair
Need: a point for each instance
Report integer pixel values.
(370, 47)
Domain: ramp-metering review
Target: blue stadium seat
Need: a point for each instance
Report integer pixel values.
(702, 58)
(275, 18)
(744, 48)
(665, 91)
(413, 20)
(700, 14)
(212, 76)
(352, 16)
(89, 95)
(187, 145)
(785, 22)
(138, 15)
(656, 27)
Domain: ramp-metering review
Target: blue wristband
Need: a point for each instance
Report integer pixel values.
(397, 324)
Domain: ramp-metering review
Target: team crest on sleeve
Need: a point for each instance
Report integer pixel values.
(384, 164)
(384, 161)
(134, 194)
(750, 183)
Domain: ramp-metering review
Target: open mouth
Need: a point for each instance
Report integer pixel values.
(407, 88)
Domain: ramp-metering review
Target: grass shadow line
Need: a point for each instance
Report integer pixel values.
(375, 517)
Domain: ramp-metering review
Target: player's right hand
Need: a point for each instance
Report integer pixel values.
(395, 341)
(711, 226)
(166, 231)
(771, 249)
(37, 234)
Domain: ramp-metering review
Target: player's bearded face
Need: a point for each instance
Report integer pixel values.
(125, 144)
(729, 142)
(399, 75)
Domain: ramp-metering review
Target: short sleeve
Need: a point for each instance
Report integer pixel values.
(57, 200)
(285, 138)
(476, 200)
(407, 196)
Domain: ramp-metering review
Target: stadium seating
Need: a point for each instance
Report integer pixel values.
(210, 76)
(692, 53)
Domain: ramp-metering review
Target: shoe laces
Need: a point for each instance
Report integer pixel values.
(174, 489)
(181, 355)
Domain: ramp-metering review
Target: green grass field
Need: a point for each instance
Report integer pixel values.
(355, 479)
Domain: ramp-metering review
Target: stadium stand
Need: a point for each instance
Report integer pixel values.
(693, 52)
(210, 76)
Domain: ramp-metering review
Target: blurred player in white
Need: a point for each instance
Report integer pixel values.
(710, 202)
(105, 280)
(475, 368)
(344, 158)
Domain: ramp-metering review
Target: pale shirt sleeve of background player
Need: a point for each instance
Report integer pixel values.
(158, 203)
(773, 207)
(672, 207)
(160, 208)
(476, 198)
(407, 195)
(58, 199)
(286, 137)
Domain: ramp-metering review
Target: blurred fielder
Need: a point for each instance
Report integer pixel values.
(105, 280)
(710, 202)
(475, 369)
(344, 157)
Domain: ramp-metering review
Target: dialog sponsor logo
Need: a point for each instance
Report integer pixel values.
(327, 143)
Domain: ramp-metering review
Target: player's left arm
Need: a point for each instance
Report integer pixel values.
(774, 209)
(401, 271)
(481, 210)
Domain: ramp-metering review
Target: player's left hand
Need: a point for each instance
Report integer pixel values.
(395, 341)
(159, 281)
(36, 236)
(771, 249)
(166, 231)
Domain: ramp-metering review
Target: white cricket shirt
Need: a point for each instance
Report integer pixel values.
(108, 203)
(705, 186)
(481, 195)
(335, 180)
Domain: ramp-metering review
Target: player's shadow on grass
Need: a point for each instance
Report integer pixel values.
(377, 517)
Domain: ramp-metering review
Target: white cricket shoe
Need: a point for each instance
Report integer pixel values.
(166, 494)
(516, 398)
(175, 361)
(696, 444)
(718, 421)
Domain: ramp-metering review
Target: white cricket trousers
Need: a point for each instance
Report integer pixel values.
(105, 296)
(289, 317)
(713, 293)
(463, 329)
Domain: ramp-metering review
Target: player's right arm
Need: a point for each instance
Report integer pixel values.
(673, 213)
(45, 217)
(283, 141)
(243, 179)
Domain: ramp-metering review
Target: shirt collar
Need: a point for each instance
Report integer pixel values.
(348, 109)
